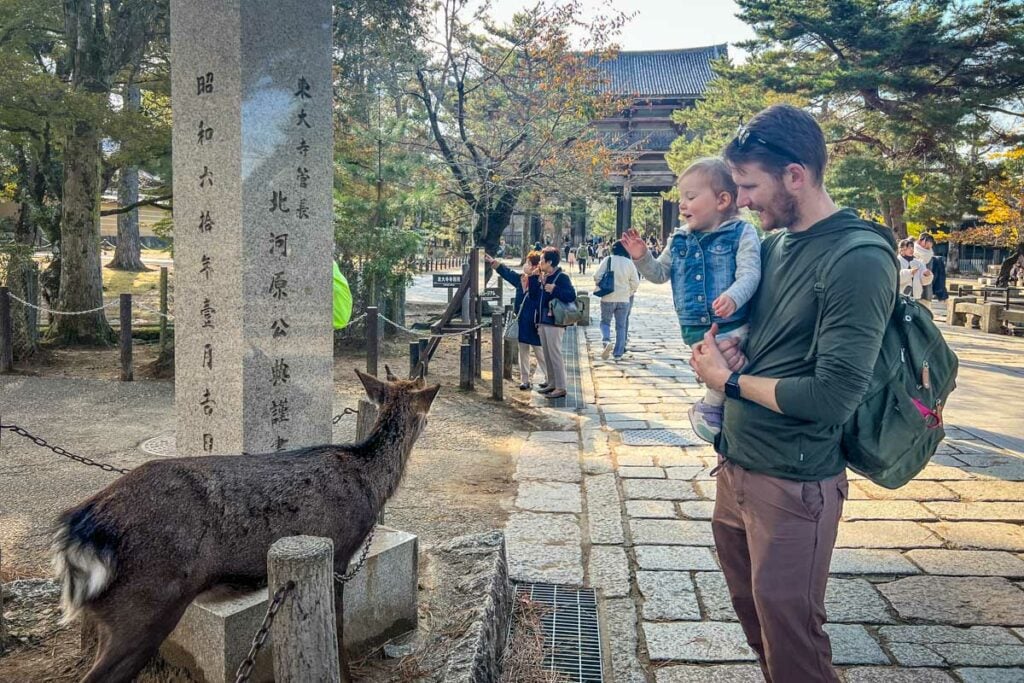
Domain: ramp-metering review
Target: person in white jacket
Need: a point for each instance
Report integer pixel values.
(914, 274)
(616, 304)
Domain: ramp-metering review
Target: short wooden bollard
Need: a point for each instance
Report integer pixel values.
(163, 309)
(423, 342)
(511, 348)
(372, 340)
(414, 360)
(6, 332)
(126, 337)
(305, 631)
(466, 367)
(497, 357)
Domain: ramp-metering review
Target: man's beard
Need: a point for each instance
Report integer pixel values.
(782, 212)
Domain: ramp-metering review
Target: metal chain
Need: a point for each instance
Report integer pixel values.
(351, 573)
(60, 451)
(429, 333)
(153, 310)
(47, 310)
(245, 668)
(348, 411)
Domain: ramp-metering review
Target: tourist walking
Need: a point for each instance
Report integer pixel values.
(525, 307)
(714, 265)
(616, 304)
(552, 284)
(914, 275)
(782, 480)
(582, 254)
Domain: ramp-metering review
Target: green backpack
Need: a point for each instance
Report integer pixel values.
(895, 430)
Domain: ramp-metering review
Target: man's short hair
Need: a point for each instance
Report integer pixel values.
(778, 136)
(551, 255)
(926, 237)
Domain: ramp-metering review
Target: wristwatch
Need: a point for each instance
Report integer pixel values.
(732, 385)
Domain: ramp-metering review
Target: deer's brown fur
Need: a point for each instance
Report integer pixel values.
(135, 555)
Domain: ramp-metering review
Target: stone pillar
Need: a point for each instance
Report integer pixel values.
(252, 144)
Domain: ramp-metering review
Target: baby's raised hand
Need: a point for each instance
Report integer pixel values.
(723, 306)
(634, 244)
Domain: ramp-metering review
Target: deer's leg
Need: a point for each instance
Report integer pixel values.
(129, 639)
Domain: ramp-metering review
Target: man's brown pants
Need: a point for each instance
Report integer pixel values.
(774, 539)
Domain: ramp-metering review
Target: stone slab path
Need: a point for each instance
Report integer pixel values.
(927, 581)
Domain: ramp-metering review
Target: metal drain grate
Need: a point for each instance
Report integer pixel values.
(660, 437)
(160, 445)
(572, 636)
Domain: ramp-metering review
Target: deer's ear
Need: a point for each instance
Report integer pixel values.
(375, 389)
(388, 374)
(424, 397)
(418, 382)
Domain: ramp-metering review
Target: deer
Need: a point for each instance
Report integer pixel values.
(133, 557)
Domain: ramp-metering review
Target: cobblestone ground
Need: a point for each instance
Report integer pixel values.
(927, 581)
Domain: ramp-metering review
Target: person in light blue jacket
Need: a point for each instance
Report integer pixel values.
(714, 265)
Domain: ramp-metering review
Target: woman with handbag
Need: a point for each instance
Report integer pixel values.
(522, 326)
(616, 301)
(553, 286)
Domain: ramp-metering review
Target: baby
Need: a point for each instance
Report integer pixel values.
(714, 263)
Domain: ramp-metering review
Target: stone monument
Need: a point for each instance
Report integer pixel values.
(253, 228)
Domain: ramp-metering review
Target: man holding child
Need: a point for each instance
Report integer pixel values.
(781, 477)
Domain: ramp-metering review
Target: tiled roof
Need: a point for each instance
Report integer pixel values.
(660, 72)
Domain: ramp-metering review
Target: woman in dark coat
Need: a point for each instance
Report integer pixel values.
(554, 284)
(525, 305)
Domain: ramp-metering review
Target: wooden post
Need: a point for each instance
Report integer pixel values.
(466, 366)
(6, 332)
(163, 310)
(126, 337)
(423, 341)
(372, 340)
(497, 358)
(510, 348)
(476, 310)
(305, 631)
(414, 359)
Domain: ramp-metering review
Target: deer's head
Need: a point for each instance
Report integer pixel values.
(405, 400)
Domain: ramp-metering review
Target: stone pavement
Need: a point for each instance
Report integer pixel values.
(928, 580)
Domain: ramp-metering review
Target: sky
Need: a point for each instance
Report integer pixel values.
(665, 24)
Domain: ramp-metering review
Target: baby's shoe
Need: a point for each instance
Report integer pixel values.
(706, 420)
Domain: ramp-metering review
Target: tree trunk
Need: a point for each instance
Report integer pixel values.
(81, 276)
(128, 253)
(953, 257)
(22, 270)
(894, 208)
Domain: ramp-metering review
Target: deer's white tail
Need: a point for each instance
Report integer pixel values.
(84, 565)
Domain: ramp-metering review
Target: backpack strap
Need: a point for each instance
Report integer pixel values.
(860, 238)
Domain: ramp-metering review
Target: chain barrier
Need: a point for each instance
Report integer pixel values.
(47, 310)
(152, 310)
(429, 333)
(60, 451)
(348, 411)
(351, 573)
(245, 668)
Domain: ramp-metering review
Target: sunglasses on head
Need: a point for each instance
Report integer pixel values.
(745, 138)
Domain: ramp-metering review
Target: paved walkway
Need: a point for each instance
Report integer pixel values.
(928, 581)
